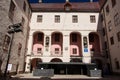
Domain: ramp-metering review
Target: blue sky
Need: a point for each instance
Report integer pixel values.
(60, 1)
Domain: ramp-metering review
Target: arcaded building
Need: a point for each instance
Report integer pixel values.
(64, 33)
(13, 12)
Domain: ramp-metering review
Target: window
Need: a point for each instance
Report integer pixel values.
(74, 37)
(118, 36)
(113, 2)
(103, 31)
(56, 50)
(6, 42)
(19, 48)
(105, 43)
(39, 18)
(74, 18)
(24, 6)
(117, 63)
(40, 37)
(109, 26)
(92, 19)
(107, 9)
(11, 10)
(74, 51)
(116, 19)
(91, 38)
(112, 40)
(39, 50)
(57, 19)
(101, 17)
(57, 37)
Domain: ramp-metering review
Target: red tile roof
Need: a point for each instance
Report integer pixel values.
(86, 6)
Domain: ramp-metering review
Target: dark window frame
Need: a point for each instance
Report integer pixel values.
(113, 2)
(74, 19)
(39, 18)
(112, 40)
(57, 18)
(92, 18)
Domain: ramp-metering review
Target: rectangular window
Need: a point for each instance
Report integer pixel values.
(74, 37)
(57, 37)
(117, 64)
(23, 22)
(105, 43)
(103, 31)
(116, 19)
(113, 2)
(11, 10)
(112, 40)
(109, 26)
(74, 51)
(107, 9)
(24, 6)
(74, 18)
(40, 37)
(92, 19)
(39, 50)
(6, 42)
(57, 19)
(118, 36)
(56, 50)
(39, 18)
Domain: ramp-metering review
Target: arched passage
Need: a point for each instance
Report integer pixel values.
(58, 68)
(56, 60)
(56, 44)
(94, 41)
(35, 63)
(38, 43)
(75, 44)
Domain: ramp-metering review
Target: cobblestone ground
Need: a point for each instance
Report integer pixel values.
(112, 77)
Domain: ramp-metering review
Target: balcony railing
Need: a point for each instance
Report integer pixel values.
(57, 53)
(36, 53)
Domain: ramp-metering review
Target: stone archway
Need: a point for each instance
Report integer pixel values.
(34, 63)
(94, 43)
(56, 60)
(75, 44)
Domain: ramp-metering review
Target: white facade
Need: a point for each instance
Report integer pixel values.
(84, 27)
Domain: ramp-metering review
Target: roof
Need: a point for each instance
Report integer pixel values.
(75, 7)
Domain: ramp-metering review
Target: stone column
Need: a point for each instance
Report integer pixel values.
(28, 55)
(66, 47)
(85, 49)
(47, 45)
